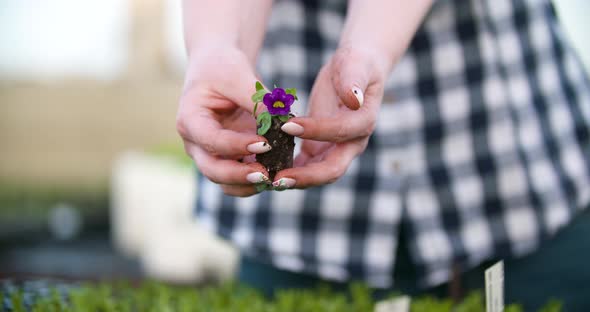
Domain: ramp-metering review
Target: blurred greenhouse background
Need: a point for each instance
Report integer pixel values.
(88, 94)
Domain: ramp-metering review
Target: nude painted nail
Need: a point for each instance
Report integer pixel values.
(292, 129)
(259, 148)
(284, 183)
(256, 177)
(358, 93)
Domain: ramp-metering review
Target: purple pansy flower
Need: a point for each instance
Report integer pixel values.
(278, 102)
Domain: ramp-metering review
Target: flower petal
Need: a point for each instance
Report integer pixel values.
(288, 99)
(269, 99)
(279, 93)
(281, 111)
(274, 110)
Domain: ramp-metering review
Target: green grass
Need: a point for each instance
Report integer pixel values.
(158, 297)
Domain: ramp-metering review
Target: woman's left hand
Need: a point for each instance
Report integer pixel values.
(343, 108)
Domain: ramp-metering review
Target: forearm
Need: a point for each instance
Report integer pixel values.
(225, 24)
(384, 27)
(254, 19)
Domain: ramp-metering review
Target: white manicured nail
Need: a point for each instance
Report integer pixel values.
(256, 177)
(292, 129)
(358, 93)
(259, 148)
(284, 183)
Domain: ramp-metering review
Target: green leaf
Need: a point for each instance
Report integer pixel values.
(284, 118)
(259, 86)
(292, 91)
(259, 95)
(261, 187)
(263, 121)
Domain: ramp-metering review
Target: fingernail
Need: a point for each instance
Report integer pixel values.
(284, 183)
(358, 93)
(259, 148)
(256, 177)
(292, 129)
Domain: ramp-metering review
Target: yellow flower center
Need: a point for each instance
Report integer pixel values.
(278, 104)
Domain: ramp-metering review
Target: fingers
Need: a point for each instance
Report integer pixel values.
(326, 171)
(205, 113)
(228, 74)
(225, 171)
(207, 133)
(216, 171)
(349, 81)
(240, 90)
(350, 77)
(239, 190)
(343, 126)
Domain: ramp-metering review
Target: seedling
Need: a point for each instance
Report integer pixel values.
(268, 123)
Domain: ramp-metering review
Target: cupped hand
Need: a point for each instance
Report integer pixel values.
(215, 120)
(343, 107)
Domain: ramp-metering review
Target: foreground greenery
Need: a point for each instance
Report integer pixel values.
(158, 297)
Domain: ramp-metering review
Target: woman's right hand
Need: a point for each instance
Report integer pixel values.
(215, 120)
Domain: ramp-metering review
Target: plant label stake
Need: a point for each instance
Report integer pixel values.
(495, 288)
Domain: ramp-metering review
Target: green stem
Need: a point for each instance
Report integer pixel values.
(255, 108)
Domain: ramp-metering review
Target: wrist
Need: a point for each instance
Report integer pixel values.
(216, 63)
(213, 47)
(384, 28)
(215, 55)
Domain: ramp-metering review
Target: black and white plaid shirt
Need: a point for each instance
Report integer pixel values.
(482, 147)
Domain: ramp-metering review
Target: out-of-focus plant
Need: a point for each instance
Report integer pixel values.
(157, 297)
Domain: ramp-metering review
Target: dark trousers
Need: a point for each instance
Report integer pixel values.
(560, 269)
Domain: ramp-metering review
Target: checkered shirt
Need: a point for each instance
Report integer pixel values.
(481, 150)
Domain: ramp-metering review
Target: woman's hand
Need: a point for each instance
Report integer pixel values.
(343, 108)
(380, 32)
(215, 120)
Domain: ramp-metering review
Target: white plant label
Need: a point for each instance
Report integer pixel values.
(495, 288)
(398, 304)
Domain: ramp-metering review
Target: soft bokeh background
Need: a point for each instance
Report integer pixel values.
(88, 147)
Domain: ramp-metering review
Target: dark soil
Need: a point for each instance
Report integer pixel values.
(280, 157)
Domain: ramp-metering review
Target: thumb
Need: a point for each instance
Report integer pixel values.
(228, 74)
(350, 78)
(240, 86)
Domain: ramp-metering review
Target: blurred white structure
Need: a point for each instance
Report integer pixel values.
(175, 50)
(152, 218)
